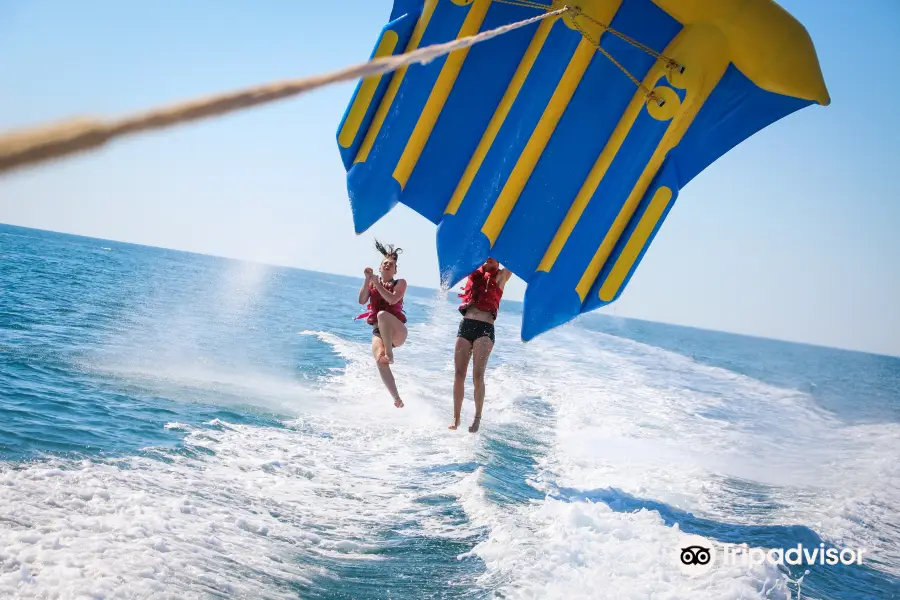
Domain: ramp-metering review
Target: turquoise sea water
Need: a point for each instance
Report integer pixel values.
(182, 426)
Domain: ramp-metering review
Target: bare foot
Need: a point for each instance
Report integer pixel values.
(455, 425)
(398, 403)
(474, 426)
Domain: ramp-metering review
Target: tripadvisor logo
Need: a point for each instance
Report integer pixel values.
(695, 555)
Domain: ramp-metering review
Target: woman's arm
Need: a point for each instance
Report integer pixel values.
(391, 297)
(364, 290)
(503, 276)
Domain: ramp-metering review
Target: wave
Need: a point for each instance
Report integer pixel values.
(596, 456)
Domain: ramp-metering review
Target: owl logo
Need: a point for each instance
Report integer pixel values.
(695, 555)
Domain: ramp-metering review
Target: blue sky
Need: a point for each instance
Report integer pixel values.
(791, 235)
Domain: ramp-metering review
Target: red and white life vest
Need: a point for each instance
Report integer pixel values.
(482, 292)
(377, 303)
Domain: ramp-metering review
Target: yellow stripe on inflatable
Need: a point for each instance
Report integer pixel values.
(599, 170)
(363, 99)
(439, 94)
(397, 79)
(538, 141)
(509, 97)
(599, 10)
(635, 244)
(704, 48)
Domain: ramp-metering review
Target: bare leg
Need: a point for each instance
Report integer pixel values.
(482, 350)
(461, 356)
(393, 332)
(385, 371)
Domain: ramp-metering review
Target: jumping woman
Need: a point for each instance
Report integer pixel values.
(385, 314)
(480, 303)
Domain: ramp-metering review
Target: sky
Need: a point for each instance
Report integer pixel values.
(790, 235)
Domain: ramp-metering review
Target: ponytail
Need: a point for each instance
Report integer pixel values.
(388, 251)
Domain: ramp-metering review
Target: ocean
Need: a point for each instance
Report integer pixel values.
(175, 425)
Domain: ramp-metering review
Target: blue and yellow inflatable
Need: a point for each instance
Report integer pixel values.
(546, 152)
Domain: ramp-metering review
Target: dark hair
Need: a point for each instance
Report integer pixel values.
(389, 251)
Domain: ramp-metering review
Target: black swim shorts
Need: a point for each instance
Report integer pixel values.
(471, 330)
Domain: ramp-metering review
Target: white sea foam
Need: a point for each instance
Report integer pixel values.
(668, 429)
(249, 513)
(255, 510)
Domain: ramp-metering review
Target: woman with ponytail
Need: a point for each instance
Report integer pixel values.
(385, 314)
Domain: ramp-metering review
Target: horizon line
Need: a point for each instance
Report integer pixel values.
(436, 289)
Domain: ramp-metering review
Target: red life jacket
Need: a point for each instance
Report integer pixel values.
(482, 292)
(377, 303)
